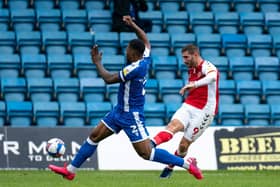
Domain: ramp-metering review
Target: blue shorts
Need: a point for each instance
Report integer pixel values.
(131, 122)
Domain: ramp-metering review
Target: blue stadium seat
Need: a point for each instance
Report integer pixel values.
(221, 63)
(29, 42)
(9, 65)
(272, 22)
(46, 114)
(125, 38)
(170, 5)
(4, 19)
(269, 5)
(156, 17)
(54, 42)
(259, 44)
(94, 4)
(227, 91)
(201, 22)
(275, 43)
(113, 63)
(275, 114)
(34, 65)
(100, 20)
(252, 22)
(96, 111)
(74, 20)
(44, 4)
(271, 91)
(23, 20)
(160, 43)
(19, 114)
(195, 5)
(249, 92)
(234, 44)
(231, 115)
(241, 68)
(183, 70)
(164, 67)
(176, 22)
(267, 68)
(39, 89)
(257, 115)
(7, 42)
(72, 114)
(171, 108)
(151, 88)
(66, 89)
(2, 113)
(180, 40)
(227, 22)
(80, 42)
(244, 6)
(169, 90)
(18, 4)
(112, 93)
(59, 65)
(13, 89)
(108, 42)
(83, 66)
(92, 89)
(49, 20)
(220, 5)
(69, 4)
(209, 44)
(154, 114)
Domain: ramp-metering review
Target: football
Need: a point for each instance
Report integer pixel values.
(55, 147)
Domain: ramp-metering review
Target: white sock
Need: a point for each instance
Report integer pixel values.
(71, 168)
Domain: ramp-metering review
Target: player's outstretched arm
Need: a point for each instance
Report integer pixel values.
(138, 31)
(108, 77)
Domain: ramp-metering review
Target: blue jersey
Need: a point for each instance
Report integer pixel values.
(131, 95)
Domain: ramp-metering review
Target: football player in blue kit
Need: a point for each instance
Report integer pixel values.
(128, 114)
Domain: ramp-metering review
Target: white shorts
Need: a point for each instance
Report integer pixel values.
(195, 120)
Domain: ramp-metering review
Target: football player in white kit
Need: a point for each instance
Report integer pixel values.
(199, 107)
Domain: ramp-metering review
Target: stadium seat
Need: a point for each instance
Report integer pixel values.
(72, 114)
(80, 42)
(259, 44)
(95, 4)
(156, 17)
(46, 114)
(18, 4)
(195, 5)
(23, 20)
(34, 65)
(221, 63)
(9, 65)
(271, 91)
(244, 6)
(269, 5)
(7, 42)
(66, 89)
(160, 43)
(44, 4)
(252, 22)
(209, 44)
(28, 42)
(2, 113)
(171, 108)
(99, 20)
(257, 115)
(112, 93)
(69, 4)
(13, 89)
(113, 63)
(151, 91)
(74, 20)
(241, 68)
(108, 42)
(267, 68)
(83, 66)
(234, 44)
(227, 22)
(49, 20)
(92, 89)
(154, 114)
(220, 5)
(4, 19)
(39, 89)
(125, 38)
(54, 42)
(249, 92)
(169, 90)
(59, 65)
(180, 40)
(19, 114)
(227, 91)
(276, 44)
(170, 5)
(164, 67)
(272, 22)
(183, 73)
(275, 114)
(201, 22)
(96, 111)
(175, 22)
(231, 115)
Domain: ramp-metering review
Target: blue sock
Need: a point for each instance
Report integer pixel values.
(163, 156)
(86, 150)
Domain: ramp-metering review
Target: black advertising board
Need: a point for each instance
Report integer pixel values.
(248, 149)
(25, 147)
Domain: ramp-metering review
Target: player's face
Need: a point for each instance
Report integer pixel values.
(189, 59)
(128, 54)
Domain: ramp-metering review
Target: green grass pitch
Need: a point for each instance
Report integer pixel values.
(43, 178)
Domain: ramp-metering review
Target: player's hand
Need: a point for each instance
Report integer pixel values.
(96, 56)
(128, 20)
(187, 87)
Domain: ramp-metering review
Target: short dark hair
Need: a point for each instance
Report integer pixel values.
(191, 48)
(138, 46)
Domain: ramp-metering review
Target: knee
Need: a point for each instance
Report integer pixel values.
(145, 155)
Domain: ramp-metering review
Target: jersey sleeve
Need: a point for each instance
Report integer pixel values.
(208, 68)
(128, 72)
